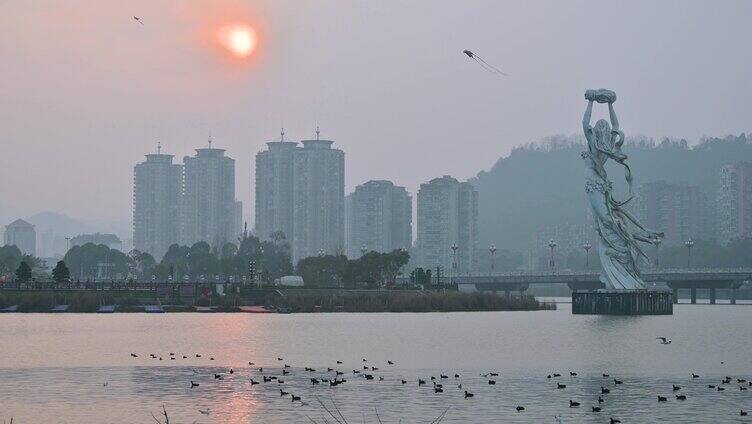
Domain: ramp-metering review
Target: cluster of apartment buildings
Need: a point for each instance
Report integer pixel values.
(300, 194)
(185, 203)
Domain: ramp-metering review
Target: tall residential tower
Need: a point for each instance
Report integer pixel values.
(209, 198)
(447, 216)
(157, 192)
(379, 218)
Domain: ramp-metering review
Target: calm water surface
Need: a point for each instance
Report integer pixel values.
(53, 368)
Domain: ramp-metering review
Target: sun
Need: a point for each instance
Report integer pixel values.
(238, 39)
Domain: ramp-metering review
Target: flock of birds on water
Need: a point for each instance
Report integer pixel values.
(439, 384)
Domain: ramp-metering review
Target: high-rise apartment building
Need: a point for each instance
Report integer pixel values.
(318, 200)
(734, 207)
(157, 192)
(208, 206)
(274, 189)
(300, 191)
(677, 210)
(447, 216)
(379, 218)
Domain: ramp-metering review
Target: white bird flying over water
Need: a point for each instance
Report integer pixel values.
(485, 65)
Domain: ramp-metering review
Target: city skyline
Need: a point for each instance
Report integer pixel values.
(79, 111)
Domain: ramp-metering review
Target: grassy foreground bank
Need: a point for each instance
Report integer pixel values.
(314, 301)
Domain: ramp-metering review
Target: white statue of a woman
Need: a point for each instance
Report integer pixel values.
(618, 230)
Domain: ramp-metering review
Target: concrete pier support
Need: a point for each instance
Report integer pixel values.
(693, 295)
(712, 295)
(732, 295)
(676, 296)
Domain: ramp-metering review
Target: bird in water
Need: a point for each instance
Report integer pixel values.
(468, 394)
(663, 340)
(742, 413)
(206, 411)
(137, 19)
(193, 384)
(520, 408)
(614, 421)
(485, 65)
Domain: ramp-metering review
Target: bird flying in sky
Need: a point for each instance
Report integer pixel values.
(137, 19)
(485, 65)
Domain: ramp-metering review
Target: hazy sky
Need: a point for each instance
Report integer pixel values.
(85, 91)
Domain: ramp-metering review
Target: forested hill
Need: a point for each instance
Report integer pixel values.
(542, 184)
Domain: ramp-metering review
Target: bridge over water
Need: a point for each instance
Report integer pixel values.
(675, 279)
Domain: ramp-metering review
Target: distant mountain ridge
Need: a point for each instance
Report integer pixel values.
(543, 184)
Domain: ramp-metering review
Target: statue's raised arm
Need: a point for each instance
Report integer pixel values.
(586, 119)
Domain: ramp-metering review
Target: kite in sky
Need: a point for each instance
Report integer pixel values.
(485, 65)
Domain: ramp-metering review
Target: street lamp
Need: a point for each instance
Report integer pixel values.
(454, 248)
(689, 243)
(363, 250)
(552, 245)
(492, 249)
(587, 246)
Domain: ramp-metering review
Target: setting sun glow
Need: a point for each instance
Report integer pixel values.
(238, 39)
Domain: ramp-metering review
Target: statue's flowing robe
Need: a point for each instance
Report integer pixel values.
(618, 231)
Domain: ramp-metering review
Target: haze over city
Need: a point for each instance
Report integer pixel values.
(88, 90)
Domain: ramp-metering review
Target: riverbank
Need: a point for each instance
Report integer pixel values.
(315, 301)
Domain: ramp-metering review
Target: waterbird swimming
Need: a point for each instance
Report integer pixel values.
(573, 404)
(681, 397)
(520, 408)
(390, 362)
(600, 399)
(675, 387)
(283, 393)
(339, 362)
(253, 382)
(614, 421)
(491, 381)
(561, 386)
(573, 374)
(468, 394)
(742, 413)
(618, 381)
(193, 384)
(605, 390)
(294, 398)
(606, 376)
(404, 381)
(720, 389)
(438, 390)
(206, 411)
(695, 375)
(663, 340)
(662, 398)
(596, 409)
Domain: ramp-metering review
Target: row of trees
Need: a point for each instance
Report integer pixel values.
(268, 259)
(11, 258)
(372, 269)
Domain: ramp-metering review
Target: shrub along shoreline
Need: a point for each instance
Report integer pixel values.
(341, 301)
